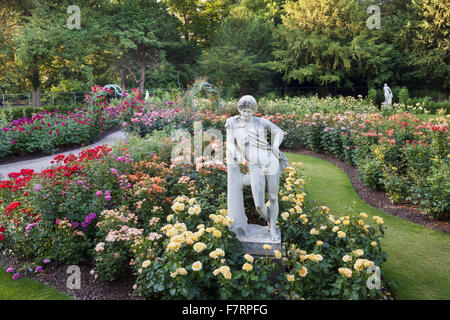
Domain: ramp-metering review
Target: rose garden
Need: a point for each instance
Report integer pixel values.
(358, 206)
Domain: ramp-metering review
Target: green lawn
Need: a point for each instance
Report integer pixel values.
(427, 117)
(418, 258)
(27, 289)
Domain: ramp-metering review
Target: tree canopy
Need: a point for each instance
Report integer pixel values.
(241, 45)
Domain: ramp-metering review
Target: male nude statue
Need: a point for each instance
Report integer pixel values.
(247, 140)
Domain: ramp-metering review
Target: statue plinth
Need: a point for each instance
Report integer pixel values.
(258, 236)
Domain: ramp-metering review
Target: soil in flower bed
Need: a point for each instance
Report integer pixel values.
(379, 199)
(56, 277)
(17, 158)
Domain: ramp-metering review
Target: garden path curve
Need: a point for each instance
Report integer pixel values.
(42, 163)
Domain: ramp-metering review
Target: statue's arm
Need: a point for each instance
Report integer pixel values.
(277, 136)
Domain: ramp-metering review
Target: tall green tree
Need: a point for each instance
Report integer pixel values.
(268, 9)
(431, 52)
(326, 42)
(46, 46)
(240, 52)
(142, 32)
(200, 18)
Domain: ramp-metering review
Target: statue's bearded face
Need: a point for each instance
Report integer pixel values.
(246, 113)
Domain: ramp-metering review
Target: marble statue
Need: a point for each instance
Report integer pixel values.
(387, 95)
(147, 96)
(247, 142)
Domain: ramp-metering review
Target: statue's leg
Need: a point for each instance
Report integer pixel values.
(258, 185)
(272, 186)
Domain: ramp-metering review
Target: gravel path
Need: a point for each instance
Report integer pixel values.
(39, 164)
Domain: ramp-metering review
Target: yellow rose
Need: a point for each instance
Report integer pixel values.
(363, 215)
(314, 231)
(346, 222)
(178, 207)
(217, 253)
(248, 257)
(173, 246)
(317, 257)
(303, 272)
(373, 244)
(346, 272)
(199, 246)
(166, 227)
(146, 263)
(319, 242)
(335, 228)
(358, 252)
(181, 271)
(290, 277)
(341, 234)
(368, 263)
(267, 247)
(171, 232)
(247, 267)
(197, 266)
(217, 233)
(285, 215)
(346, 258)
(277, 254)
(359, 264)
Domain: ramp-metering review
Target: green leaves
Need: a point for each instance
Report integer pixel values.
(240, 51)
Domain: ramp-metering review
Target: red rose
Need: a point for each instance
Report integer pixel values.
(1, 238)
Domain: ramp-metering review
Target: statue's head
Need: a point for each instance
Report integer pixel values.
(247, 107)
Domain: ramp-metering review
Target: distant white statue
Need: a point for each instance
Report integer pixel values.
(147, 96)
(387, 95)
(247, 142)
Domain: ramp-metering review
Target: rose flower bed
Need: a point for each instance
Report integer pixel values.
(405, 156)
(126, 209)
(47, 132)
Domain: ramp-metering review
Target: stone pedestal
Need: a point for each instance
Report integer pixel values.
(257, 236)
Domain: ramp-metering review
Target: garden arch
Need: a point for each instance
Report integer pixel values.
(208, 88)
